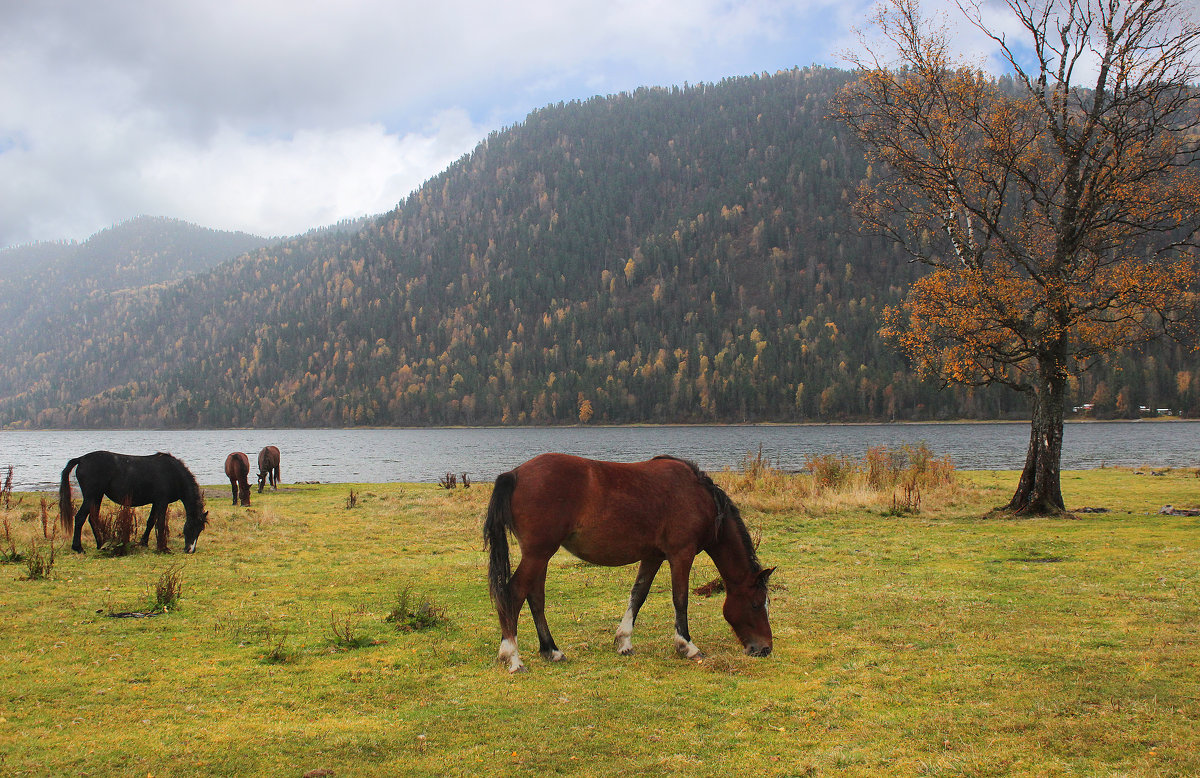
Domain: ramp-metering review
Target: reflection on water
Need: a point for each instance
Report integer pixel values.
(424, 455)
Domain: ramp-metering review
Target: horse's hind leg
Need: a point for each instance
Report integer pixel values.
(537, 608)
(156, 510)
(521, 587)
(637, 597)
(84, 513)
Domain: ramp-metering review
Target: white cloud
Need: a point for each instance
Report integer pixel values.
(312, 178)
(276, 116)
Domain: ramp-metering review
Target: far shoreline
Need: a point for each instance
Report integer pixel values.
(629, 425)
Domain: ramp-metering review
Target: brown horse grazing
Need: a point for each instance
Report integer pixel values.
(613, 513)
(237, 468)
(268, 467)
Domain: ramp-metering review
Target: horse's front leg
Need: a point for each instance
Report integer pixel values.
(637, 597)
(681, 573)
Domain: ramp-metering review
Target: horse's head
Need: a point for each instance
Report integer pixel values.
(747, 610)
(192, 530)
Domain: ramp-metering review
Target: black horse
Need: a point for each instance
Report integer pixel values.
(156, 480)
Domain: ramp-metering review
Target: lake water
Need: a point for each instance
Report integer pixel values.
(424, 455)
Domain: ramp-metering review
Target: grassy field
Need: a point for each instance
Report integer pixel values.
(940, 643)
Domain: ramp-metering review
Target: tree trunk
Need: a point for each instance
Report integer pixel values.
(1040, 491)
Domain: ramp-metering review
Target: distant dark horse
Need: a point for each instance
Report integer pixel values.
(268, 467)
(156, 480)
(237, 468)
(611, 513)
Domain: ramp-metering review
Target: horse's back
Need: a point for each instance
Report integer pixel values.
(96, 466)
(610, 513)
(136, 479)
(237, 465)
(268, 458)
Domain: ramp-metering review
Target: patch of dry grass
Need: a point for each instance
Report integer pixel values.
(906, 480)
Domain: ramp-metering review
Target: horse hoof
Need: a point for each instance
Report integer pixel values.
(687, 649)
(519, 668)
(554, 656)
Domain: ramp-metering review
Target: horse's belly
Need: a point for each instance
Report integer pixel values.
(133, 499)
(607, 555)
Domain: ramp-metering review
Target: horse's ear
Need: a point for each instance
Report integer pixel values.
(764, 575)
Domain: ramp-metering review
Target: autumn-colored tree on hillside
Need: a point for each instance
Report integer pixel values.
(1058, 205)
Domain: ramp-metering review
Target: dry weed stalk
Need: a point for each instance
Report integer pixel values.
(45, 516)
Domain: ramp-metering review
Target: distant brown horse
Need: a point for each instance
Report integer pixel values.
(268, 467)
(237, 468)
(612, 513)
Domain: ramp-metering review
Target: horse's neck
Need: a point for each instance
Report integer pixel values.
(729, 553)
(191, 501)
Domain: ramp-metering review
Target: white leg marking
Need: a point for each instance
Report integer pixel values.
(624, 634)
(686, 648)
(556, 656)
(508, 655)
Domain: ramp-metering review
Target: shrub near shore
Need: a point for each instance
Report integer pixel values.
(933, 642)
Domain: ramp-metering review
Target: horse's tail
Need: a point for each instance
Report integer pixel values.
(66, 511)
(496, 527)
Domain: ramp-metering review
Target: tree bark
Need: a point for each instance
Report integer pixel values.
(1039, 492)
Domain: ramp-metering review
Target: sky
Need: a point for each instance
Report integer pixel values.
(277, 116)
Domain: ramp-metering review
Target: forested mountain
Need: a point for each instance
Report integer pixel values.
(147, 250)
(670, 255)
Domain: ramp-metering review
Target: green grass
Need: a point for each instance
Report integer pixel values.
(938, 644)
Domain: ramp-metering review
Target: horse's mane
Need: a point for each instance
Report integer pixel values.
(193, 495)
(726, 509)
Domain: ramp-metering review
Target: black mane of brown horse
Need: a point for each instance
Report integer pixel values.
(614, 513)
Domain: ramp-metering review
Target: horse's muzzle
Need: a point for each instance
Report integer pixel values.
(758, 650)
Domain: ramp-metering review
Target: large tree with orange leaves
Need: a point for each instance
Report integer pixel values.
(1058, 205)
